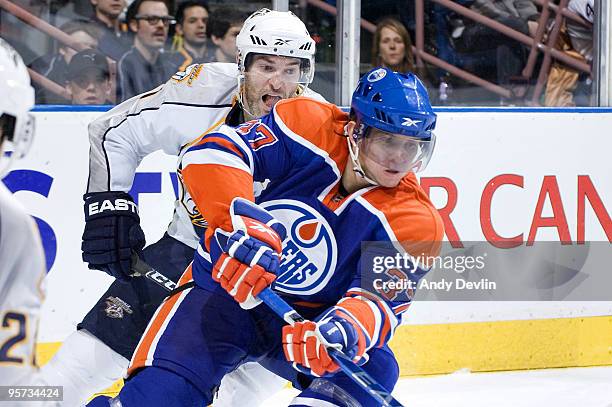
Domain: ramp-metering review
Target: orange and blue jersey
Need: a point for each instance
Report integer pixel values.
(299, 151)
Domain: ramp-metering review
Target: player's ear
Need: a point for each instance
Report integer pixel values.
(179, 29)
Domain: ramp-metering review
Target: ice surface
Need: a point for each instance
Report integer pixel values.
(575, 387)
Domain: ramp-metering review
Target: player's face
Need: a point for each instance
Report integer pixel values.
(391, 46)
(193, 28)
(386, 157)
(270, 78)
(90, 88)
(151, 34)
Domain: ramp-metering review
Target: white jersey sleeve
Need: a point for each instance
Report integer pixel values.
(22, 273)
(191, 103)
(163, 119)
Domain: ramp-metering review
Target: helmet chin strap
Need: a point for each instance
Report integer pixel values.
(354, 153)
(242, 96)
(242, 99)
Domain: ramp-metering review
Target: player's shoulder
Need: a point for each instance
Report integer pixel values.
(409, 212)
(315, 120)
(309, 93)
(210, 83)
(198, 74)
(295, 110)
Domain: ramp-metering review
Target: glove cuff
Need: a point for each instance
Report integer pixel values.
(110, 203)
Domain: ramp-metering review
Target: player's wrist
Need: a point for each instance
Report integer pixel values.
(109, 203)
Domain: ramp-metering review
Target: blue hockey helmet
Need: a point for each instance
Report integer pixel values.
(393, 102)
(396, 105)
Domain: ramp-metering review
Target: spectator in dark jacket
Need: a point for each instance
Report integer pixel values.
(54, 66)
(145, 66)
(507, 56)
(113, 41)
(192, 44)
(89, 78)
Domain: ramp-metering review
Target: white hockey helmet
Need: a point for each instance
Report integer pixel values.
(279, 33)
(16, 123)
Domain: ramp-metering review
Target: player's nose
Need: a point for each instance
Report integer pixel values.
(276, 81)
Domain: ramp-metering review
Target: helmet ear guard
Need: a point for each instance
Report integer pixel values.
(16, 123)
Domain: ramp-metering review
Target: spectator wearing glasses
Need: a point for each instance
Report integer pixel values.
(145, 66)
(113, 41)
(191, 41)
(89, 78)
(224, 26)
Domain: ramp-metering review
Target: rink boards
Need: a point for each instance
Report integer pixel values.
(495, 173)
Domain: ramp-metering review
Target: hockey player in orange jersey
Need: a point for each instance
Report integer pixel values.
(334, 181)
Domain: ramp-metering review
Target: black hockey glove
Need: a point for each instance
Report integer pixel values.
(112, 232)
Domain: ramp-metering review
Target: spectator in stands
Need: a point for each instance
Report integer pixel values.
(223, 27)
(89, 78)
(54, 66)
(114, 41)
(191, 41)
(566, 86)
(507, 57)
(392, 46)
(145, 66)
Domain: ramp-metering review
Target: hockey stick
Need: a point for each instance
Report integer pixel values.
(360, 376)
(285, 311)
(141, 269)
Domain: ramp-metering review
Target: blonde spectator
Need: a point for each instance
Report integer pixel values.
(392, 46)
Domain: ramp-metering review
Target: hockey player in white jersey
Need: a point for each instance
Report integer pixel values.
(275, 61)
(22, 261)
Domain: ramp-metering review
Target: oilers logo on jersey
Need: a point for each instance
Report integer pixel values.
(310, 251)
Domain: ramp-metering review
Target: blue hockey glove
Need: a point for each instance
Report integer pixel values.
(246, 260)
(112, 232)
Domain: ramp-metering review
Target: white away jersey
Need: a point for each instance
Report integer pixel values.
(22, 270)
(193, 102)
